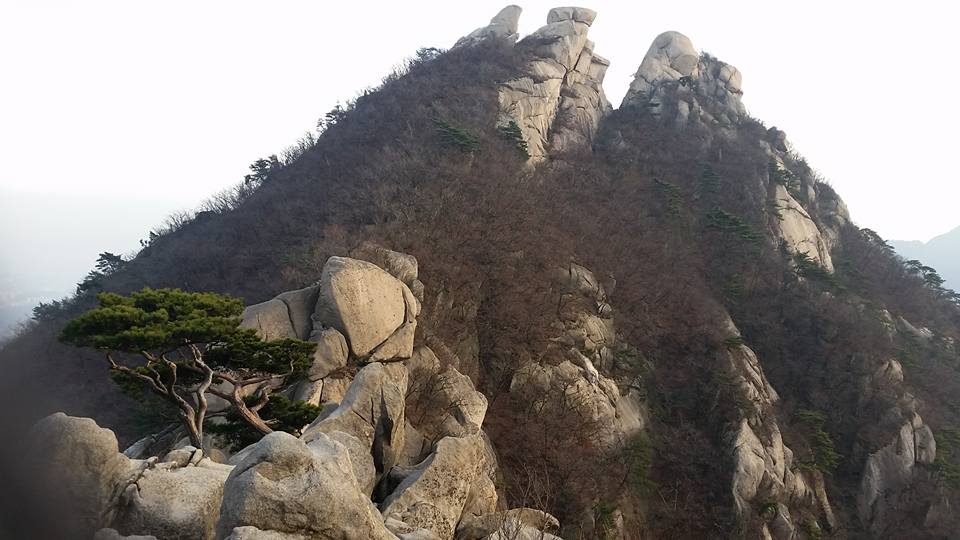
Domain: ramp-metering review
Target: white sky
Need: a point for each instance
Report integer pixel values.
(115, 113)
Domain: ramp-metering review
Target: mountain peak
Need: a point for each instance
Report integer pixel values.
(503, 25)
(673, 64)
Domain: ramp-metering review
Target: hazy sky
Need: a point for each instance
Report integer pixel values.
(113, 114)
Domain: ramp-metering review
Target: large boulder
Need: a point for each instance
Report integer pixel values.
(78, 470)
(174, 502)
(443, 402)
(670, 57)
(402, 266)
(433, 495)
(362, 301)
(287, 487)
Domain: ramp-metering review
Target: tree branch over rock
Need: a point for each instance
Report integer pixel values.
(184, 345)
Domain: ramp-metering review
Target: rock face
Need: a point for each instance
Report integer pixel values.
(701, 88)
(890, 470)
(373, 413)
(435, 492)
(798, 229)
(764, 468)
(559, 103)
(285, 486)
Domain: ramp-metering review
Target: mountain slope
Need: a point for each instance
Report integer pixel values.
(670, 262)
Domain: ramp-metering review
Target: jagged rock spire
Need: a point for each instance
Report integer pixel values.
(672, 62)
(559, 103)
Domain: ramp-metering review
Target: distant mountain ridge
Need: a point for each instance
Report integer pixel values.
(942, 253)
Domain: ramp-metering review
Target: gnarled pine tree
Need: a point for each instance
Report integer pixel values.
(182, 346)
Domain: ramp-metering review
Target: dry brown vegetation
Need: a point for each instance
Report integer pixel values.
(642, 207)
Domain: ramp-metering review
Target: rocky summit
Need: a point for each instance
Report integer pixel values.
(485, 304)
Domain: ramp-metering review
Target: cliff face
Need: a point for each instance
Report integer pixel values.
(537, 316)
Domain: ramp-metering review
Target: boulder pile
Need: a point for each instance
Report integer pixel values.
(361, 470)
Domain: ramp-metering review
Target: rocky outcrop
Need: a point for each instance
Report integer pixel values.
(798, 230)
(174, 499)
(697, 88)
(434, 493)
(286, 486)
(443, 401)
(558, 104)
(361, 301)
(891, 470)
(764, 468)
(372, 413)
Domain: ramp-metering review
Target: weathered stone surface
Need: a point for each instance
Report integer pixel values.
(330, 355)
(444, 400)
(502, 26)
(78, 465)
(399, 346)
(559, 104)
(300, 305)
(670, 57)
(763, 464)
(360, 458)
(891, 469)
(578, 279)
(361, 301)
(631, 413)
(373, 412)
(798, 229)
(592, 395)
(179, 502)
(433, 496)
(271, 320)
(286, 487)
(514, 530)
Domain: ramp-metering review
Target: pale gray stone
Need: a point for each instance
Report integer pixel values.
(79, 465)
(182, 502)
(434, 495)
(286, 487)
(271, 320)
(361, 301)
(373, 412)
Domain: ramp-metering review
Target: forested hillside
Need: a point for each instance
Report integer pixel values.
(676, 328)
